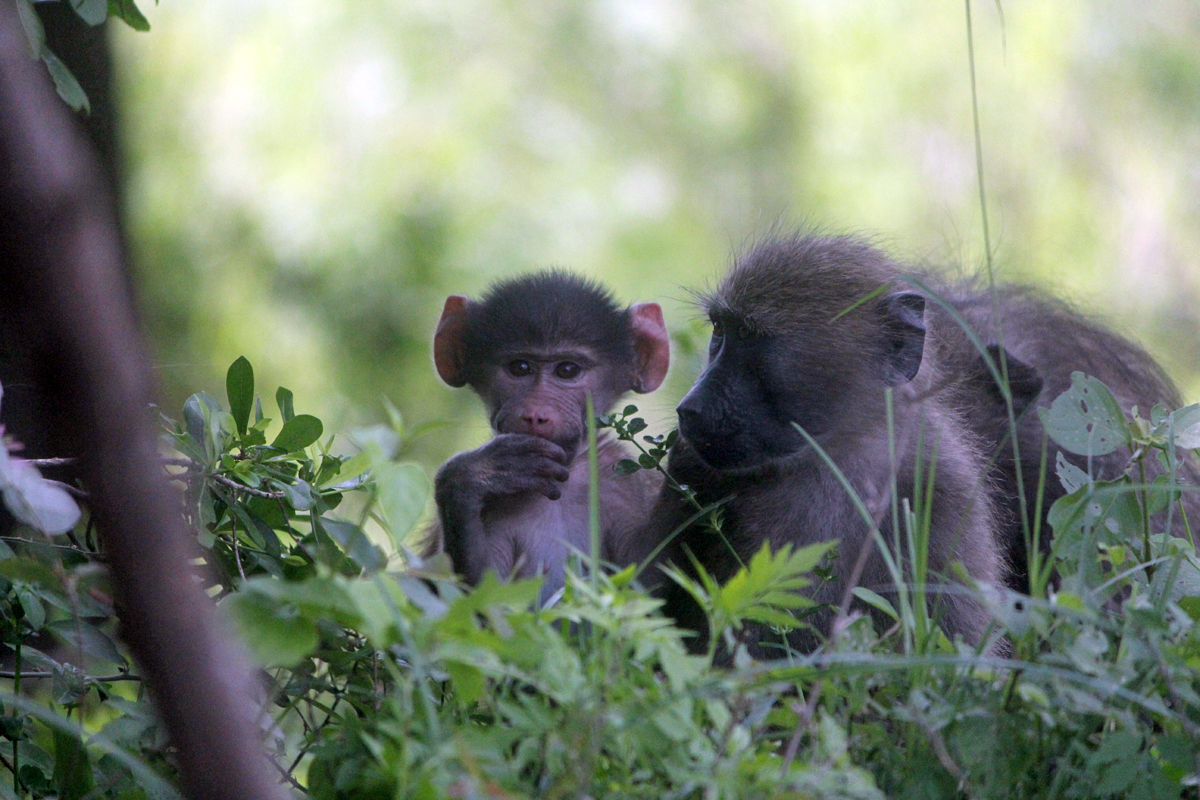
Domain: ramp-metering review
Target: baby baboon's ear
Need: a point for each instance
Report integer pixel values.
(449, 344)
(651, 346)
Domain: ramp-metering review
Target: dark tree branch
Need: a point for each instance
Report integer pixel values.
(62, 276)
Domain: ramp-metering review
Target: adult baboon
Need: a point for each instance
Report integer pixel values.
(808, 333)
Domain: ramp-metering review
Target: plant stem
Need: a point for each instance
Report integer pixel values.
(593, 495)
(16, 691)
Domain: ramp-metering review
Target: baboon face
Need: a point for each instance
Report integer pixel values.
(740, 412)
(799, 338)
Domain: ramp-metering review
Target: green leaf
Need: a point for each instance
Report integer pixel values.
(356, 544)
(468, 681)
(626, 467)
(298, 495)
(1117, 759)
(88, 638)
(348, 470)
(72, 772)
(1086, 419)
(31, 571)
(298, 433)
(1069, 475)
(283, 398)
(277, 635)
(403, 490)
(65, 84)
(208, 424)
(93, 12)
(31, 23)
(35, 612)
(1186, 422)
(128, 12)
(1191, 606)
(239, 386)
(767, 584)
(876, 601)
(319, 598)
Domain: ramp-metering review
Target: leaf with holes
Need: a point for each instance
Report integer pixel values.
(1086, 419)
(1186, 424)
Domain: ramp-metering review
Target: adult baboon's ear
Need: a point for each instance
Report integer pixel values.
(449, 344)
(906, 337)
(651, 346)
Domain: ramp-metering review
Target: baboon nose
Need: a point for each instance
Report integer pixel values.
(539, 426)
(689, 409)
(689, 417)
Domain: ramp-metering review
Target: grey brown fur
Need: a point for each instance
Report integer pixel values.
(812, 330)
(796, 349)
(1047, 337)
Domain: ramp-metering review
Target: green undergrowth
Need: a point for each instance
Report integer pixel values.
(385, 678)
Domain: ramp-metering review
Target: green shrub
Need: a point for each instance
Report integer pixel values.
(388, 679)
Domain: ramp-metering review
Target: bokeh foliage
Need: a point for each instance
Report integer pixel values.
(315, 177)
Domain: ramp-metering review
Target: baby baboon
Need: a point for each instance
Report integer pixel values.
(533, 348)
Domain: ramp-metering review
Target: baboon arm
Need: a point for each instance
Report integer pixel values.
(463, 535)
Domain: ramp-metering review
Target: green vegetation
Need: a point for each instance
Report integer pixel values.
(387, 679)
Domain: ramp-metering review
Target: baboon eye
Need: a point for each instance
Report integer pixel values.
(567, 370)
(718, 329)
(519, 368)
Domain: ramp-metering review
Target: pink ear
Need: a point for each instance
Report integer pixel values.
(652, 346)
(449, 349)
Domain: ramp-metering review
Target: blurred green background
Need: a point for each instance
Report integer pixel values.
(308, 180)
